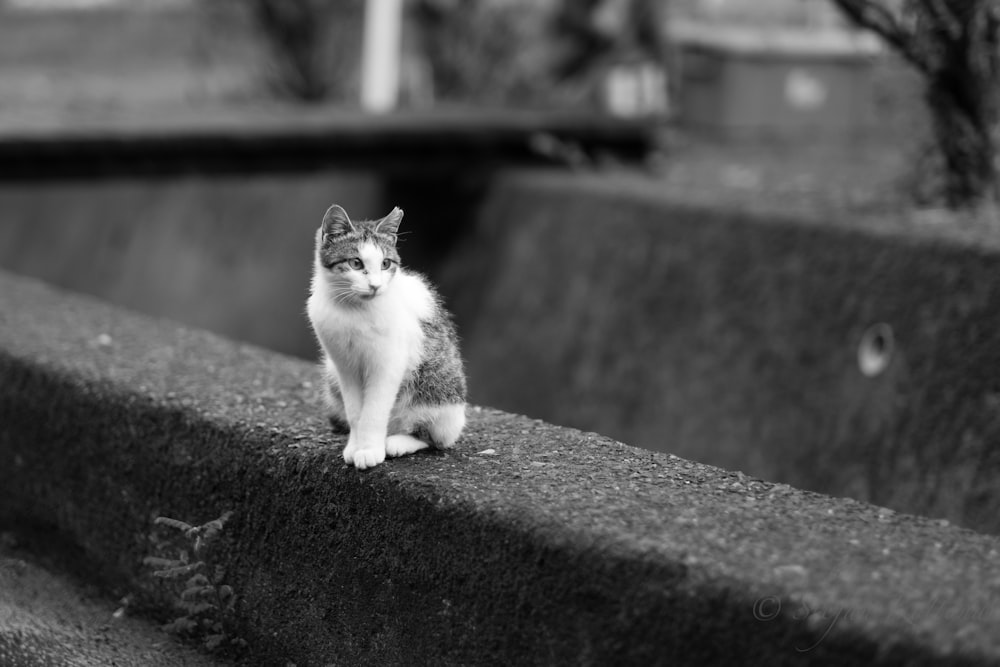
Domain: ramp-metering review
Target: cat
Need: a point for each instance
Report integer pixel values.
(393, 373)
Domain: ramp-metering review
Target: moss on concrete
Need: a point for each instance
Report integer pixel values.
(527, 544)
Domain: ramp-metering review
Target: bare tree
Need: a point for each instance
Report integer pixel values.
(954, 45)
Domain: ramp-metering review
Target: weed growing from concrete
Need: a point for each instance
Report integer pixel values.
(184, 564)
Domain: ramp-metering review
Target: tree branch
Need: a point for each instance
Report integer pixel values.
(945, 17)
(874, 16)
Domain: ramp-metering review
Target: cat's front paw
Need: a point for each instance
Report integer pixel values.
(369, 458)
(364, 455)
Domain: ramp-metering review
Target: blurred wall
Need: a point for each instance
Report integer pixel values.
(733, 338)
(230, 254)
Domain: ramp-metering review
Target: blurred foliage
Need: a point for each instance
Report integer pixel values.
(592, 31)
(310, 49)
(955, 46)
(482, 52)
(533, 53)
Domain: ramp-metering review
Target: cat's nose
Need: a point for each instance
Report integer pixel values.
(374, 289)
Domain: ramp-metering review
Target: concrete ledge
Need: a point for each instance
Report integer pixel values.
(729, 332)
(297, 140)
(562, 547)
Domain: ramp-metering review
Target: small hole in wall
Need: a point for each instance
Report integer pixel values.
(876, 349)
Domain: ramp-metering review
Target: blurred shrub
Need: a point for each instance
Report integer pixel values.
(539, 53)
(306, 50)
(954, 47)
(483, 52)
(590, 32)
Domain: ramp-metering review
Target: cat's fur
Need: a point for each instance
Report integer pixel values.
(392, 369)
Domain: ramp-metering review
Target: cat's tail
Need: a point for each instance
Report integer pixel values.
(402, 444)
(445, 425)
(437, 426)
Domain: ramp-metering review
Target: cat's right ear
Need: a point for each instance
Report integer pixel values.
(336, 222)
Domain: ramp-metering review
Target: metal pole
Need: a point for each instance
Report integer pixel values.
(381, 55)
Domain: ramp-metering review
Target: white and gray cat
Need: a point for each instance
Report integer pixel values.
(392, 369)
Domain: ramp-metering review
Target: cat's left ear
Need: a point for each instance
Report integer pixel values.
(390, 223)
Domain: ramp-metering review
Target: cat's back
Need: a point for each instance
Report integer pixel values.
(440, 376)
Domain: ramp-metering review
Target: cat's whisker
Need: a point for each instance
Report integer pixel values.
(342, 296)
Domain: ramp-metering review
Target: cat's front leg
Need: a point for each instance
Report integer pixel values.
(366, 444)
(368, 435)
(338, 412)
(352, 399)
(338, 397)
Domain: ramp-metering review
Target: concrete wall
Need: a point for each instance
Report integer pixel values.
(724, 336)
(229, 253)
(731, 337)
(232, 254)
(526, 544)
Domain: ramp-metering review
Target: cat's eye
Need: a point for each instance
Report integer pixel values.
(356, 264)
(386, 264)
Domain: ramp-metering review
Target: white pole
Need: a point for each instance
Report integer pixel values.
(381, 55)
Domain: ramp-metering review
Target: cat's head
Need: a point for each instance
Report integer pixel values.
(357, 259)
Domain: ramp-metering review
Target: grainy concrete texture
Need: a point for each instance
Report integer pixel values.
(49, 617)
(527, 544)
(730, 335)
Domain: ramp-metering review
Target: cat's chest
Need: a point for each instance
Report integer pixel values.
(350, 332)
(353, 336)
(356, 335)
(388, 329)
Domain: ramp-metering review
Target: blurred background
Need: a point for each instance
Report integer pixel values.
(75, 59)
(109, 109)
(176, 156)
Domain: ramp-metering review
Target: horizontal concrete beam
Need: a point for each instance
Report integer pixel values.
(302, 140)
(527, 544)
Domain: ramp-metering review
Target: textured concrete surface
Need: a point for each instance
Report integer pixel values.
(527, 544)
(52, 617)
(731, 336)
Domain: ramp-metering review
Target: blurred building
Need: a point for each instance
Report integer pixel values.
(805, 13)
(773, 68)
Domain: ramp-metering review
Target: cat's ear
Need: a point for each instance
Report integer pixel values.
(336, 222)
(390, 223)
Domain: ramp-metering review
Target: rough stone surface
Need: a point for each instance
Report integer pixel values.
(732, 336)
(49, 617)
(527, 544)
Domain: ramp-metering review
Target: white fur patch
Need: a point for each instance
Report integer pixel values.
(372, 340)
